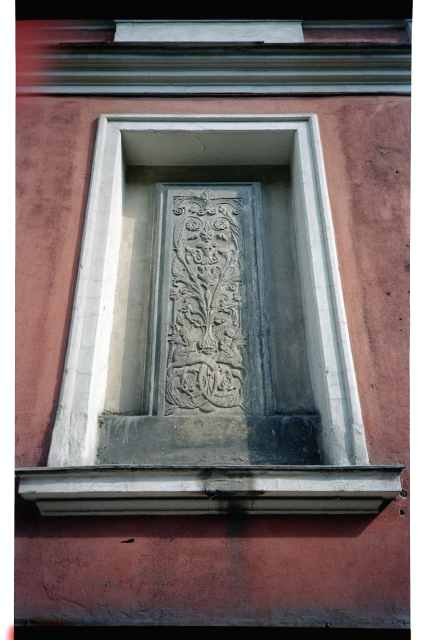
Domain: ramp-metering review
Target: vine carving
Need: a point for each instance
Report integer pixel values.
(205, 358)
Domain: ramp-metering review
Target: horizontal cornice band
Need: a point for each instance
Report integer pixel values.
(252, 68)
(162, 490)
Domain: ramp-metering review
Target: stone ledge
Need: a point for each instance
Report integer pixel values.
(183, 490)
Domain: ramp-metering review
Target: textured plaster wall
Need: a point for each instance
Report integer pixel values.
(282, 570)
(391, 35)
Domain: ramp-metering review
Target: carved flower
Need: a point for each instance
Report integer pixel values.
(207, 233)
(193, 224)
(175, 294)
(220, 224)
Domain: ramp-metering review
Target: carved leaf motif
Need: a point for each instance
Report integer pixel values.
(176, 271)
(179, 234)
(195, 321)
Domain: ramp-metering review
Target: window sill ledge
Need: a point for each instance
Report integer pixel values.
(181, 490)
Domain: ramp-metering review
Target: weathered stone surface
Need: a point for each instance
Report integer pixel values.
(223, 328)
(207, 440)
(209, 350)
(292, 391)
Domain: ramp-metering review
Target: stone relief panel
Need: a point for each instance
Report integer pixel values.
(212, 353)
(205, 360)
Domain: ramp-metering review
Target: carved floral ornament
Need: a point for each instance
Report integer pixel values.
(206, 203)
(205, 363)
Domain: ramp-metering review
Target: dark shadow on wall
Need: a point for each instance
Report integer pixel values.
(30, 523)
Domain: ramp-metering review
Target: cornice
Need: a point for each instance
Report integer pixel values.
(183, 490)
(252, 68)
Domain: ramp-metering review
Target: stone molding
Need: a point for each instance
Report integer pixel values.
(124, 68)
(158, 490)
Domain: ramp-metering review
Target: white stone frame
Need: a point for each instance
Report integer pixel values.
(74, 439)
(270, 139)
(202, 31)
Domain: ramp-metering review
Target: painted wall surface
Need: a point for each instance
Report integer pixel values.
(302, 570)
(394, 36)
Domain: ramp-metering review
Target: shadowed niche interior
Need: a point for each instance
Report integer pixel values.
(208, 357)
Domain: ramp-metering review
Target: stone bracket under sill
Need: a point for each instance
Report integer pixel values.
(181, 490)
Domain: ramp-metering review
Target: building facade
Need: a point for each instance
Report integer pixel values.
(212, 323)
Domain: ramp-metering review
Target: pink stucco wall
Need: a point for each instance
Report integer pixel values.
(383, 35)
(342, 570)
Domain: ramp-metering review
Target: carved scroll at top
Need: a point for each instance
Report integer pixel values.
(205, 369)
(206, 203)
